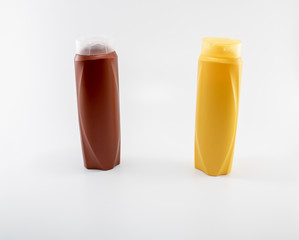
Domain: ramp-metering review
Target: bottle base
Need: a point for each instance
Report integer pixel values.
(100, 168)
(213, 172)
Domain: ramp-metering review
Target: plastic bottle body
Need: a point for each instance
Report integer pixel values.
(98, 108)
(218, 90)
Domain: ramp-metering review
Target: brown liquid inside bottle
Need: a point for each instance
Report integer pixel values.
(98, 107)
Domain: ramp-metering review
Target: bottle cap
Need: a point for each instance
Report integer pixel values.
(94, 45)
(221, 47)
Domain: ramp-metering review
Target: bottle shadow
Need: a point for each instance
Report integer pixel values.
(264, 169)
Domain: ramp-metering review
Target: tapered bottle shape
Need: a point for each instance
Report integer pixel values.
(97, 84)
(218, 90)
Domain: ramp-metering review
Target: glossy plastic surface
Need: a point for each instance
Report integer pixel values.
(218, 90)
(98, 108)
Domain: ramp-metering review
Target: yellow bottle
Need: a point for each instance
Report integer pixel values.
(217, 104)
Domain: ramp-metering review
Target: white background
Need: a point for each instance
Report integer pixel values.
(46, 193)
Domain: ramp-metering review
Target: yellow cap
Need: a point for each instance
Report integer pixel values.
(221, 47)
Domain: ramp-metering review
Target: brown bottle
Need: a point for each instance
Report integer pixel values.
(97, 84)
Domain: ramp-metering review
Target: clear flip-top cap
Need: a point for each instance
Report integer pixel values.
(94, 45)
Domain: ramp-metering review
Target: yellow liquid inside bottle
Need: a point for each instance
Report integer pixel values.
(217, 104)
